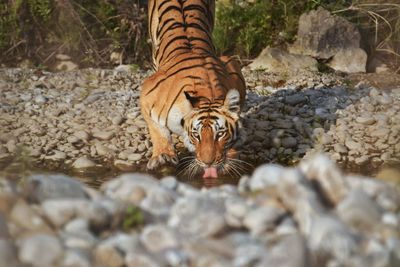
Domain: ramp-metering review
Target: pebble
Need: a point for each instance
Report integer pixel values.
(262, 219)
(359, 211)
(82, 135)
(32, 248)
(83, 163)
(103, 135)
(157, 238)
(135, 157)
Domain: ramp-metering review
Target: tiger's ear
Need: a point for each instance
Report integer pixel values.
(232, 100)
(194, 100)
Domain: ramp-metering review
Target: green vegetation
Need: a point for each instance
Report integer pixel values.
(246, 28)
(133, 218)
(88, 31)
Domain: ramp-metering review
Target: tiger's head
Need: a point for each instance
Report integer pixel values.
(211, 130)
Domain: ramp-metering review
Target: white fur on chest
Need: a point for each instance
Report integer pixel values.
(174, 120)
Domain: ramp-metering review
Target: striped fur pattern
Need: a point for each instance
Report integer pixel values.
(192, 93)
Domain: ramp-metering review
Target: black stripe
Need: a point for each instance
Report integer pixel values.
(172, 74)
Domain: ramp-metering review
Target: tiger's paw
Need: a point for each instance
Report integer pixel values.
(163, 158)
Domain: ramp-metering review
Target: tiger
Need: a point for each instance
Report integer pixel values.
(193, 92)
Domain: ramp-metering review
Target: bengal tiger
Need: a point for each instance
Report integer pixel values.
(193, 92)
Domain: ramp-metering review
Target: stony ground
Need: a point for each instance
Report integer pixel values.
(309, 216)
(90, 119)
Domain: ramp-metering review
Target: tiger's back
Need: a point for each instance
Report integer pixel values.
(188, 74)
(180, 26)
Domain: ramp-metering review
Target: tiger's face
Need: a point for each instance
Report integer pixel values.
(211, 130)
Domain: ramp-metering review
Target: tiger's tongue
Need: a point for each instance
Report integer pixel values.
(210, 172)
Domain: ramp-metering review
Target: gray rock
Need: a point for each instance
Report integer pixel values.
(349, 60)
(277, 60)
(198, 215)
(75, 258)
(28, 219)
(103, 135)
(83, 163)
(365, 120)
(143, 190)
(359, 211)
(293, 245)
(57, 155)
(40, 187)
(8, 254)
(262, 219)
(289, 142)
(169, 182)
(322, 35)
(265, 176)
(353, 145)
(82, 135)
(339, 148)
(141, 259)
(32, 248)
(157, 238)
(60, 211)
(322, 170)
(331, 237)
(135, 157)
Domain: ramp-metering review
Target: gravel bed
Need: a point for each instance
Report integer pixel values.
(310, 215)
(90, 119)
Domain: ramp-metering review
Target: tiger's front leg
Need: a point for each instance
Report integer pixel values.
(163, 150)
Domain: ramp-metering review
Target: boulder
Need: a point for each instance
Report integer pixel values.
(279, 61)
(322, 35)
(352, 60)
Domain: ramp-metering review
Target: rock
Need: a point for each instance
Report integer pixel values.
(352, 145)
(63, 57)
(33, 247)
(365, 120)
(40, 99)
(57, 156)
(157, 238)
(265, 176)
(124, 165)
(359, 211)
(350, 60)
(135, 157)
(279, 61)
(293, 245)
(198, 216)
(40, 187)
(83, 163)
(110, 252)
(322, 170)
(66, 66)
(8, 254)
(135, 259)
(75, 258)
(262, 219)
(169, 182)
(289, 142)
(153, 198)
(82, 135)
(322, 35)
(103, 135)
(28, 219)
(331, 237)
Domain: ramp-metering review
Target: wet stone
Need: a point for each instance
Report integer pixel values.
(42, 187)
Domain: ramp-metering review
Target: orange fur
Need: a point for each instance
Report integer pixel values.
(185, 64)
